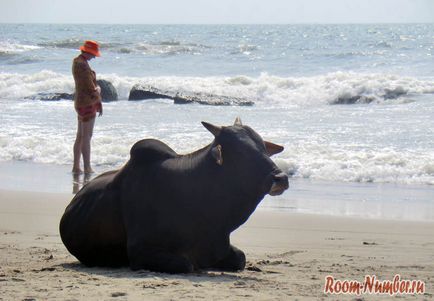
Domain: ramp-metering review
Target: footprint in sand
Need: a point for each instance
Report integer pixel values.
(287, 254)
(118, 294)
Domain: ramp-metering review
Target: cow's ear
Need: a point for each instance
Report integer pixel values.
(216, 152)
(238, 121)
(272, 148)
(214, 129)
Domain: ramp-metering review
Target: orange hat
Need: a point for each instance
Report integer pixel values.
(91, 47)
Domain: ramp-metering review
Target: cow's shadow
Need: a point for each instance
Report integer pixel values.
(125, 272)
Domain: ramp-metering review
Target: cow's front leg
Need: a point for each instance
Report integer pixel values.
(235, 260)
(158, 260)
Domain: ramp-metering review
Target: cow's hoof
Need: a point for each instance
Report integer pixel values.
(234, 261)
(164, 263)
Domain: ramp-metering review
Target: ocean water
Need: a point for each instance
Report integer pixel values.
(295, 74)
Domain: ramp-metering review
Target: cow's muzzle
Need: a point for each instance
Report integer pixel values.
(280, 184)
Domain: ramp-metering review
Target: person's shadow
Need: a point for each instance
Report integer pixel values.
(79, 180)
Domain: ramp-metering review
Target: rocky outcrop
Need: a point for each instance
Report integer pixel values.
(349, 100)
(211, 100)
(394, 93)
(108, 91)
(51, 96)
(139, 92)
(387, 94)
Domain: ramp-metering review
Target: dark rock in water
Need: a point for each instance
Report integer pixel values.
(346, 100)
(108, 91)
(349, 100)
(212, 100)
(394, 93)
(51, 96)
(182, 100)
(363, 99)
(139, 92)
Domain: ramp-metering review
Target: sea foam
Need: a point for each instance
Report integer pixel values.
(338, 87)
(8, 48)
(327, 143)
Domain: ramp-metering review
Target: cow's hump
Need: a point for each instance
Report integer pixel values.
(151, 150)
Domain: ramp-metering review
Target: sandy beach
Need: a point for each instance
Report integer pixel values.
(289, 255)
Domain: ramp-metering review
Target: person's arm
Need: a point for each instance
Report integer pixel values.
(97, 89)
(84, 78)
(99, 109)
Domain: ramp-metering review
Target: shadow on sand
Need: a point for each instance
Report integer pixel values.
(125, 272)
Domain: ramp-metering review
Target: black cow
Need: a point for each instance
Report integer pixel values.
(174, 213)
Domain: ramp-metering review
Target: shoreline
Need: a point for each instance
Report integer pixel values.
(372, 201)
(288, 256)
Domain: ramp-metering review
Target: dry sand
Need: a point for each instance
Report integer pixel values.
(289, 255)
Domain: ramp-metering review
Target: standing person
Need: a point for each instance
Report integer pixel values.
(87, 102)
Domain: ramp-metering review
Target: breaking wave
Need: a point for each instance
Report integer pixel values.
(67, 43)
(386, 145)
(168, 48)
(44, 133)
(165, 47)
(75, 43)
(8, 48)
(332, 88)
(320, 162)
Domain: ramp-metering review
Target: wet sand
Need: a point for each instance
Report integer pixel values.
(289, 255)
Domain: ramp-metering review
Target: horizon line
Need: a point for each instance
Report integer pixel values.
(293, 23)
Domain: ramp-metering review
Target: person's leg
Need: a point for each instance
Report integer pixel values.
(77, 148)
(87, 131)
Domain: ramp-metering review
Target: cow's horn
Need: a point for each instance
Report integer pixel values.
(238, 121)
(215, 130)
